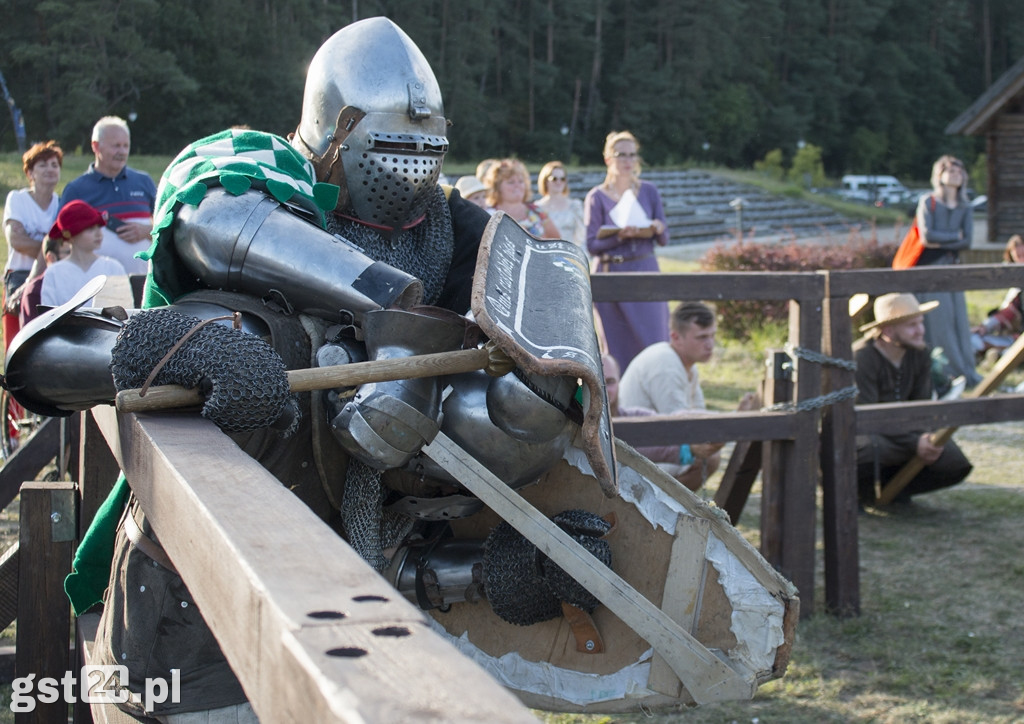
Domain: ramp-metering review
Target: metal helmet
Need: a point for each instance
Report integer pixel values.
(373, 123)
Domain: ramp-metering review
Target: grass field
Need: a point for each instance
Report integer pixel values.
(940, 638)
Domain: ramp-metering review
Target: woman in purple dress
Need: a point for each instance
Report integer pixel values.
(629, 327)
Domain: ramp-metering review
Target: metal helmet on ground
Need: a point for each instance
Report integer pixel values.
(373, 123)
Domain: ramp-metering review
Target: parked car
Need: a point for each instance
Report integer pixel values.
(873, 189)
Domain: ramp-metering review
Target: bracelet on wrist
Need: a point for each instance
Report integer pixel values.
(685, 455)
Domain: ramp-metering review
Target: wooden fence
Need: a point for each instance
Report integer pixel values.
(315, 635)
(805, 446)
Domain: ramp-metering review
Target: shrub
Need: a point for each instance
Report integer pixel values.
(807, 169)
(738, 319)
(771, 165)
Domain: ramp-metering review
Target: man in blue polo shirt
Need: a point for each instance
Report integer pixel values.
(125, 194)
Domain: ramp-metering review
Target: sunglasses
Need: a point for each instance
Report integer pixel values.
(556, 178)
(620, 154)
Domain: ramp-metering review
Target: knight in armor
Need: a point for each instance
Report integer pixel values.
(338, 246)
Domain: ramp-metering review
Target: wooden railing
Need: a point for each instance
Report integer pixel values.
(794, 462)
(315, 635)
(311, 631)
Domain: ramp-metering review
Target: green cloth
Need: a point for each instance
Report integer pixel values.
(84, 586)
(235, 160)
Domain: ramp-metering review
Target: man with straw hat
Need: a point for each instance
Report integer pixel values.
(894, 365)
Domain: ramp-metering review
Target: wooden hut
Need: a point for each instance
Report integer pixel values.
(998, 114)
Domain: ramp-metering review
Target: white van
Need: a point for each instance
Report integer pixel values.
(872, 188)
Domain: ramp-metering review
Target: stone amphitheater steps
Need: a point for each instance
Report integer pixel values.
(697, 208)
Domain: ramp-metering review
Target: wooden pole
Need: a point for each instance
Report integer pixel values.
(839, 466)
(1006, 364)
(46, 536)
(778, 388)
(322, 378)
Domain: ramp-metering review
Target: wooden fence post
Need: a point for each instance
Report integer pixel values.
(839, 467)
(97, 472)
(778, 388)
(47, 532)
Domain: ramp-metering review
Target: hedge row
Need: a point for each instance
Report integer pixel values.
(737, 318)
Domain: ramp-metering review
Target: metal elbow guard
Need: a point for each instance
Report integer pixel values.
(386, 423)
(251, 243)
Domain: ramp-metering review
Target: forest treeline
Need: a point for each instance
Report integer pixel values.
(872, 83)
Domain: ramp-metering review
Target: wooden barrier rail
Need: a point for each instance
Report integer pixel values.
(819, 322)
(279, 617)
(312, 632)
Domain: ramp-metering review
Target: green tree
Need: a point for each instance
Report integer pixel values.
(807, 169)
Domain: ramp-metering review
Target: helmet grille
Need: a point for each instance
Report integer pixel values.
(397, 176)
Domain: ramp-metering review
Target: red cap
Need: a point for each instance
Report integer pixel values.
(74, 218)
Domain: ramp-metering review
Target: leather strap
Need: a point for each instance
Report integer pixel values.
(146, 544)
(588, 638)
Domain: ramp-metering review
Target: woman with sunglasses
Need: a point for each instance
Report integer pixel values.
(628, 326)
(564, 211)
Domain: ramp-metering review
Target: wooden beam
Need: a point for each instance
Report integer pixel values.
(932, 415)
(684, 589)
(28, 460)
(45, 538)
(801, 462)
(311, 631)
(925, 279)
(707, 286)
(97, 471)
(839, 468)
(710, 427)
(738, 479)
(778, 389)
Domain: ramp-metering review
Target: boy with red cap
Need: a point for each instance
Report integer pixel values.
(82, 226)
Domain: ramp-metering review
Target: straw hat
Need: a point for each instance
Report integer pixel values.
(469, 185)
(894, 308)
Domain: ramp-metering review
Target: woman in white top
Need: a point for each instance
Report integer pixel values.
(564, 211)
(28, 215)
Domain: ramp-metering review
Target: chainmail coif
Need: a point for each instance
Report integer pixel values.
(246, 378)
(524, 586)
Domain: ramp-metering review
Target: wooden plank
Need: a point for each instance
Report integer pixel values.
(801, 461)
(707, 286)
(44, 613)
(28, 460)
(710, 427)
(683, 590)
(921, 279)
(707, 677)
(97, 472)
(931, 415)
(9, 586)
(311, 631)
(738, 479)
(839, 469)
(778, 389)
